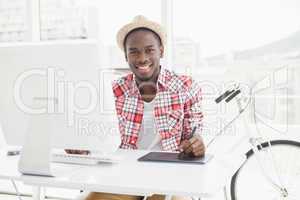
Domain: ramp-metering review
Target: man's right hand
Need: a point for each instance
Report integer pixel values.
(74, 151)
(193, 147)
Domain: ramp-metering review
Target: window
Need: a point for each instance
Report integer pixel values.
(63, 19)
(214, 33)
(220, 41)
(12, 20)
(100, 20)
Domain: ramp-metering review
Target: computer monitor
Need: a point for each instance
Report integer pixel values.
(61, 80)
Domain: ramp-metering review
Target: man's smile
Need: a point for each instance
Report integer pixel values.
(144, 68)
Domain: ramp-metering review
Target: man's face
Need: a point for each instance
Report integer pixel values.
(143, 52)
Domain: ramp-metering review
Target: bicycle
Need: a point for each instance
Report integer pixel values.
(271, 169)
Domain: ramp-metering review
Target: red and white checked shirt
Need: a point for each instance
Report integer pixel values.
(177, 109)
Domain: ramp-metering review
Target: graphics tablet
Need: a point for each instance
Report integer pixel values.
(174, 157)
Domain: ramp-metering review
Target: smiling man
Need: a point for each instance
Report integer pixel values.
(157, 109)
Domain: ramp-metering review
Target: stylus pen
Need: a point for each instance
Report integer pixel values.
(193, 132)
(192, 135)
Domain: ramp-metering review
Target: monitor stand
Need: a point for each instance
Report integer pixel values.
(36, 152)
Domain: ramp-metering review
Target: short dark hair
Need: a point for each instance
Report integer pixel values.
(141, 29)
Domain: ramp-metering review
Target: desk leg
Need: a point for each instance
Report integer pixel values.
(38, 193)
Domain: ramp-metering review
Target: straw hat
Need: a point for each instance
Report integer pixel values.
(140, 22)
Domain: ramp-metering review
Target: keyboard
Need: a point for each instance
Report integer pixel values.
(84, 159)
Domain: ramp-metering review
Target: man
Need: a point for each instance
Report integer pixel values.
(156, 108)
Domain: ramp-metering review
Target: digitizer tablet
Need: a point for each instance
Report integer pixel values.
(174, 157)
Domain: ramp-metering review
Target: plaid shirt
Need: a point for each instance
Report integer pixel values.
(177, 109)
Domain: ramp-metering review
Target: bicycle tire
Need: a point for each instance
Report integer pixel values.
(249, 154)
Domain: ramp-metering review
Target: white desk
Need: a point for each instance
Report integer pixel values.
(133, 177)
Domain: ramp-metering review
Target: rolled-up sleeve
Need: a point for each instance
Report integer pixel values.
(193, 115)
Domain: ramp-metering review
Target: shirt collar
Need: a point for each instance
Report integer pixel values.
(162, 82)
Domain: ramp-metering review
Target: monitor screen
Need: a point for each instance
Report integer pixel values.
(63, 81)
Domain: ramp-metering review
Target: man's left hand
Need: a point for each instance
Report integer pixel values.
(193, 147)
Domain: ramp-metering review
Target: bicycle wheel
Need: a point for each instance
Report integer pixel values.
(250, 183)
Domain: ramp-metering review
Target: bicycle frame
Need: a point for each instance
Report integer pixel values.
(258, 150)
